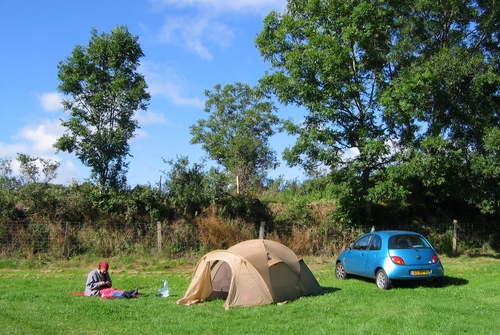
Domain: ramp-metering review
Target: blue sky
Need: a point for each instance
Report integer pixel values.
(189, 46)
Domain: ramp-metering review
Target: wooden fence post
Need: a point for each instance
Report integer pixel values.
(158, 226)
(454, 246)
(66, 241)
(262, 230)
(158, 236)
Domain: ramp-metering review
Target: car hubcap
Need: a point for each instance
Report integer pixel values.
(340, 271)
(381, 280)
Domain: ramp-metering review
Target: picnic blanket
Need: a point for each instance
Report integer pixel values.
(107, 293)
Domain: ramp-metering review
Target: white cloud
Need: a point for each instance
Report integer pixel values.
(36, 140)
(50, 102)
(253, 6)
(42, 136)
(192, 32)
(10, 151)
(165, 82)
(67, 173)
(201, 29)
(150, 117)
(350, 153)
(139, 134)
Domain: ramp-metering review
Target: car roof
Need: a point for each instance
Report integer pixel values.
(394, 232)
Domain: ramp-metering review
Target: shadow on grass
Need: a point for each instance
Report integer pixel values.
(327, 290)
(454, 281)
(324, 290)
(447, 281)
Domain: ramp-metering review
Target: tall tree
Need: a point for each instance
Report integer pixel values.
(237, 131)
(412, 85)
(329, 57)
(104, 90)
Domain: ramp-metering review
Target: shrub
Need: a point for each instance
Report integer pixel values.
(218, 233)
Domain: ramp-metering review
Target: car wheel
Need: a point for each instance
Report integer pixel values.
(340, 271)
(383, 282)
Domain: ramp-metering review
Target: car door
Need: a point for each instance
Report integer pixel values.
(372, 256)
(355, 263)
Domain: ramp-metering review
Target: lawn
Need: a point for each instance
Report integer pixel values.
(35, 299)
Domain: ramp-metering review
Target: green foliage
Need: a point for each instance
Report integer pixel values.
(192, 190)
(316, 188)
(411, 87)
(5, 168)
(485, 171)
(8, 183)
(186, 188)
(236, 133)
(245, 207)
(105, 90)
(433, 174)
(30, 170)
(297, 214)
(147, 201)
(442, 102)
(329, 57)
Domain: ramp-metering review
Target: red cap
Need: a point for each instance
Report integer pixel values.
(103, 265)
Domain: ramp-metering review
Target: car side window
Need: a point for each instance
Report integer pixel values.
(376, 243)
(362, 243)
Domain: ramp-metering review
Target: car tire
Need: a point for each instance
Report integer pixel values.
(340, 271)
(383, 282)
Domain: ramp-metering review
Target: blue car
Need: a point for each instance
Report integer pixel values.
(391, 255)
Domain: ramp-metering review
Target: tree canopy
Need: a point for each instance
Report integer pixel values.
(411, 86)
(103, 90)
(237, 130)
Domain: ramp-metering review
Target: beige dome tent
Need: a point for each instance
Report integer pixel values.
(253, 272)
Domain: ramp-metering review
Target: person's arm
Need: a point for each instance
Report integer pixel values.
(93, 283)
(108, 279)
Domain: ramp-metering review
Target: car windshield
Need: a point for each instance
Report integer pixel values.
(407, 241)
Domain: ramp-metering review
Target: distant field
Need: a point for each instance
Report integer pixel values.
(35, 299)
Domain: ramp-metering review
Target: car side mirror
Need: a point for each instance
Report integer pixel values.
(347, 247)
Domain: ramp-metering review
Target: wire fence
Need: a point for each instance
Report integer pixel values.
(69, 239)
(455, 237)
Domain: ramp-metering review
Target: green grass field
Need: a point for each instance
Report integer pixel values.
(35, 299)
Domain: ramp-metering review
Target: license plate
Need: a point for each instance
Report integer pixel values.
(420, 272)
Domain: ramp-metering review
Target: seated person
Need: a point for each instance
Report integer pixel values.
(99, 284)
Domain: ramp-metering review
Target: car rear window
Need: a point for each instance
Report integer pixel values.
(407, 241)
